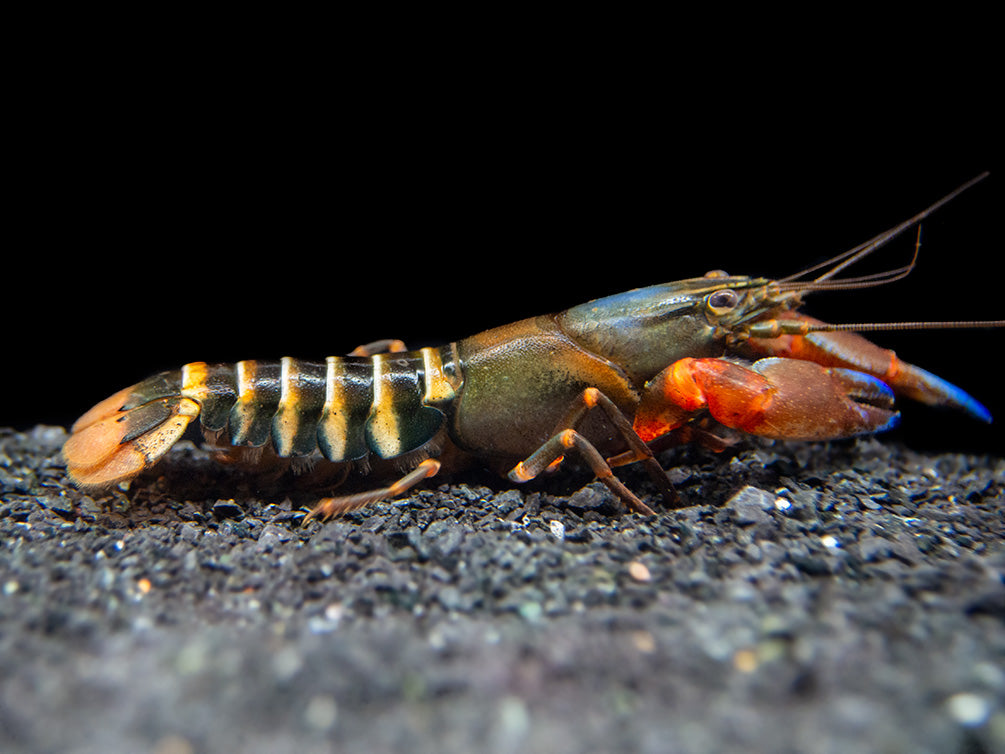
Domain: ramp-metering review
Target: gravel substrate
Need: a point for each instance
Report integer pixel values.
(843, 597)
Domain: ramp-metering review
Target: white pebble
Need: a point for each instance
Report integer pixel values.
(321, 712)
(970, 710)
(830, 541)
(557, 530)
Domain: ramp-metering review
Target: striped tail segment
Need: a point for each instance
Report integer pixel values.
(347, 408)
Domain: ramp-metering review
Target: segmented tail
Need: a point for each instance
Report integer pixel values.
(345, 409)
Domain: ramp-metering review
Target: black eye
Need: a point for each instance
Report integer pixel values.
(722, 301)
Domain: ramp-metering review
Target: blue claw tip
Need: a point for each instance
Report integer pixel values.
(944, 393)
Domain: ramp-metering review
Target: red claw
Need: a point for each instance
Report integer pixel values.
(784, 399)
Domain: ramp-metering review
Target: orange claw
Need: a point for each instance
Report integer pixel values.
(785, 399)
(690, 385)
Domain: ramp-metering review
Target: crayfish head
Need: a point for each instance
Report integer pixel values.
(645, 329)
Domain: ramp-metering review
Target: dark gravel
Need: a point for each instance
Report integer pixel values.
(844, 597)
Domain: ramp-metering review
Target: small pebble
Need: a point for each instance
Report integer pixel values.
(969, 710)
(639, 571)
(321, 712)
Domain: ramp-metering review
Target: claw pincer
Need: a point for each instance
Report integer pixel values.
(782, 399)
(851, 351)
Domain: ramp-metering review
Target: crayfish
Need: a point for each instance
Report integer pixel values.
(611, 380)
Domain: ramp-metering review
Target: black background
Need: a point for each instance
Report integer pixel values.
(149, 232)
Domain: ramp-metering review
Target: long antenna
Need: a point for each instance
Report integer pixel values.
(875, 326)
(864, 249)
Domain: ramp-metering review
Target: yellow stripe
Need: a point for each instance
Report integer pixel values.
(289, 388)
(438, 387)
(383, 422)
(246, 381)
(193, 381)
(242, 414)
(286, 421)
(334, 416)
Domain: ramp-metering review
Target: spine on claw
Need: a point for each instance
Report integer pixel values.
(347, 408)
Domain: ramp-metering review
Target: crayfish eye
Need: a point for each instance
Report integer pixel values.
(722, 301)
